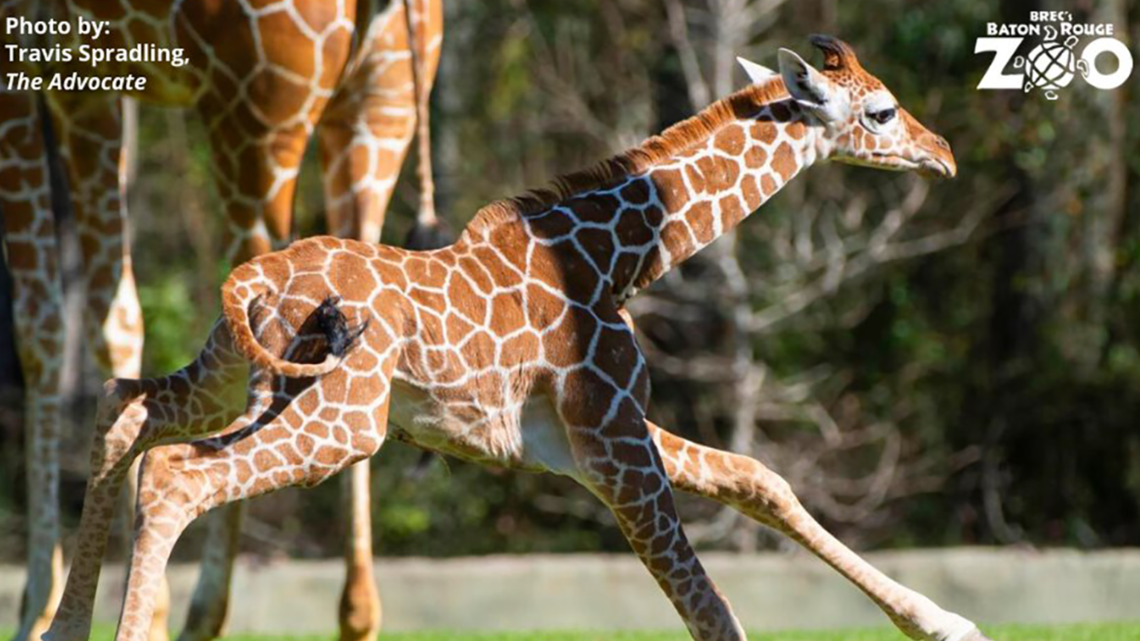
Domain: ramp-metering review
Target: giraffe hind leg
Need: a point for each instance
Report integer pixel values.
(747, 485)
(207, 614)
(359, 609)
(359, 612)
(262, 451)
(132, 416)
(255, 173)
(368, 127)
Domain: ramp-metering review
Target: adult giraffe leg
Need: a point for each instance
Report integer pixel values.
(359, 613)
(256, 174)
(262, 452)
(368, 127)
(749, 486)
(363, 141)
(199, 399)
(33, 262)
(364, 136)
(425, 34)
(91, 132)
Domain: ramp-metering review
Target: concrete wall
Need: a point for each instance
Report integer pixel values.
(607, 592)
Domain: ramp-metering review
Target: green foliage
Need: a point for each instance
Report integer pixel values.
(1010, 363)
(170, 312)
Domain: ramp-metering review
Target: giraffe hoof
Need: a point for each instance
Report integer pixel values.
(975, 635)
(423, 237)
(61, 633)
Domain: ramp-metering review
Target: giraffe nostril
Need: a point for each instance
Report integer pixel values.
(941, 143)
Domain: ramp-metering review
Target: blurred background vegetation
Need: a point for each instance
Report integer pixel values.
(927, 363)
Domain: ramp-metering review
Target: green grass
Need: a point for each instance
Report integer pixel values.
(1082, 632)
(1088, 632)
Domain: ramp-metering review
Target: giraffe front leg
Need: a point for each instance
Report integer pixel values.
(619, 463)
(746, 484)
(600, 401)
(616, 459)
(38, 317)
(33, 263)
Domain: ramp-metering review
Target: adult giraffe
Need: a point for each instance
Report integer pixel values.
(262, 77)
(511, 347)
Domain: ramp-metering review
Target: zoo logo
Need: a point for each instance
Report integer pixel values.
(1052, 64)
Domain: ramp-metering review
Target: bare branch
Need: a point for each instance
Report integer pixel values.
(690, 65)
(856, 259)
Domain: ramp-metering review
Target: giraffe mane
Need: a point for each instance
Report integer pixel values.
(675, 140)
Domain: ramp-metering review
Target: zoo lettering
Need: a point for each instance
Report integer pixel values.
(1051, 65)
(1066, 29)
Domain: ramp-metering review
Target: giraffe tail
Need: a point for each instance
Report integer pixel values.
(430, 231)
(243, 291)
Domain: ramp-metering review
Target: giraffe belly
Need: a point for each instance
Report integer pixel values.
(545, 445)
(529, 437)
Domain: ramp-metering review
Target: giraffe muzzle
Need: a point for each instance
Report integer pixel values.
(940, 162)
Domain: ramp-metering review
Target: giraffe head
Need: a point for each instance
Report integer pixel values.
(863, 123)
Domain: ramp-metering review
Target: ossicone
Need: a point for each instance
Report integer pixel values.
(837, 55)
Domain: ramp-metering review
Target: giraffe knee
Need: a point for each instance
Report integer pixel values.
(768, 497)
(122, 389)
(170, 494)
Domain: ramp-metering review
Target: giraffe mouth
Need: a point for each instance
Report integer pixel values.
(936, 168)
(931, 167)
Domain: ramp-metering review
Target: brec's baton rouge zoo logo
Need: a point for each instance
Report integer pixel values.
(1053, 63)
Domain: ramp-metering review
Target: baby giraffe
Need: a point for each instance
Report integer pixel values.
(511, 347)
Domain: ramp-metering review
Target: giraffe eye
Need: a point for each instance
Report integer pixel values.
(883, 116)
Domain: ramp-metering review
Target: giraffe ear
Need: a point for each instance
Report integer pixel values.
(809, 87)
(757, 73)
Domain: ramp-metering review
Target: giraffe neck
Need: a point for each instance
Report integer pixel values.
(697, 196)
(642, 213)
